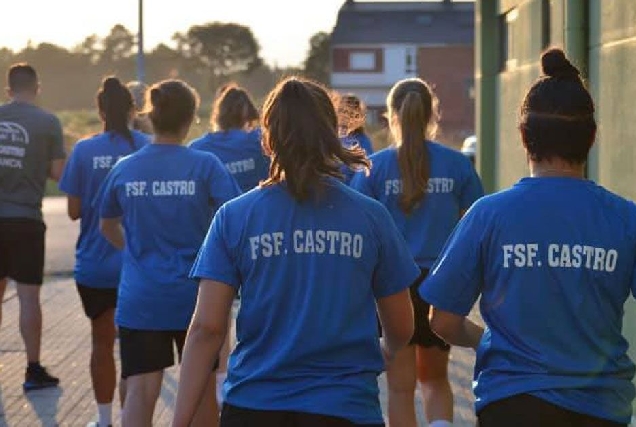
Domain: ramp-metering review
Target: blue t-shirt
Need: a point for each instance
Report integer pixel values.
(308, 275)
(553, 260)
(240, 151)
(97, 262)
(166, 196)
(358, 138)
(453, 186)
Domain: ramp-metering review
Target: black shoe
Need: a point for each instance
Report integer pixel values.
(37, 378)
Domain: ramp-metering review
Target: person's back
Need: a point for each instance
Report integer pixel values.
(97, 261)
(31, 150)
(29, 139)
(312, 260)
(452, 187)
(306, 272)
(167, 203)
(565, 271)
(552, 261)
(240, 151)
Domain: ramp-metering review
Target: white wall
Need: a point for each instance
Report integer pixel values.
(395, 68)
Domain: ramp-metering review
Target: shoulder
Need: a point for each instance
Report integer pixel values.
(242, 205)
(200, 142)
(88, 142)
(384, 155)
(622, 208)
(140, 136)
(362, 203)
(47, 117)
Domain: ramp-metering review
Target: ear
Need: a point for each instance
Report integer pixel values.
(9, 92)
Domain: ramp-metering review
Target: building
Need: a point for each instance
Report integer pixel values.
(375, 44)
(600, 38)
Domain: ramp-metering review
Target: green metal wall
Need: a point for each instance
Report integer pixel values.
(600, 37)
(612, 73)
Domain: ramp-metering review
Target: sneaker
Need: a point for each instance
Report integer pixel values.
(38, 378)
(96, 424)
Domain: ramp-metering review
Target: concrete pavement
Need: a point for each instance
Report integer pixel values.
(66, 350)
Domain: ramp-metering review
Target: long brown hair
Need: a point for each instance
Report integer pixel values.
(232, 109)
(413, 114)
(300, 135)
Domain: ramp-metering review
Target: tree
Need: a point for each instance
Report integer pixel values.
(118, 44)
(316, 65)
(220, 49)
(90, 48)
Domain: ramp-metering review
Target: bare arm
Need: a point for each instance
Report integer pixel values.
(396, 317)
(74, 207)
(455, 329)
(55, 169)
(205, 337)
(113, 231)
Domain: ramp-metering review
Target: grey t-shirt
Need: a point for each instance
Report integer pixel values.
(30, 138)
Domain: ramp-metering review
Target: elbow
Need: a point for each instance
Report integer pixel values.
(441, 327)
(202, 331)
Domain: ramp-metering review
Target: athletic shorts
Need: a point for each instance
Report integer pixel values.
(525, 410)
(97, 300)
(423, 335)
(235, 416)
(143, 351)
(22, 250)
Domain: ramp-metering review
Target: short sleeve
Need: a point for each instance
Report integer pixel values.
(472, 188)
(56, 147)
(396, 269)
(222, 185)
(107, 197)
(73, 180)
(456, 279)
(214, 260)
(361, 182)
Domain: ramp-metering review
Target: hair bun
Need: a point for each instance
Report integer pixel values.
(555, 64)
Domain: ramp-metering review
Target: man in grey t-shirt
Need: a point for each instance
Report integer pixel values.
(31, 149)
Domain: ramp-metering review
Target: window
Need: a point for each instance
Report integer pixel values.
(409, 61)
(362, 61)
(507, 47)
(546, 22)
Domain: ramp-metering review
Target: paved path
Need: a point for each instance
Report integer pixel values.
(66, 349)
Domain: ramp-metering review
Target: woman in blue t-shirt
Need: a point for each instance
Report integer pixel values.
(310, 258)
(234, 139)
(426, 187)
(163, 197)
(97, 262)
(351, 119)
(552, 261)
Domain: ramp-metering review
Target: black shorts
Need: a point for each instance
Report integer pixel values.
(423, 335)
(22, 250)
(525, 410)
(235, 416)
(143, 351)
(97, 300)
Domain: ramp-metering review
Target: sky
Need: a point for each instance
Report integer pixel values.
(283, 41)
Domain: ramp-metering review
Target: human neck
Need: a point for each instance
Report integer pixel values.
(557, 168)
(168, 139)
(25, 98)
